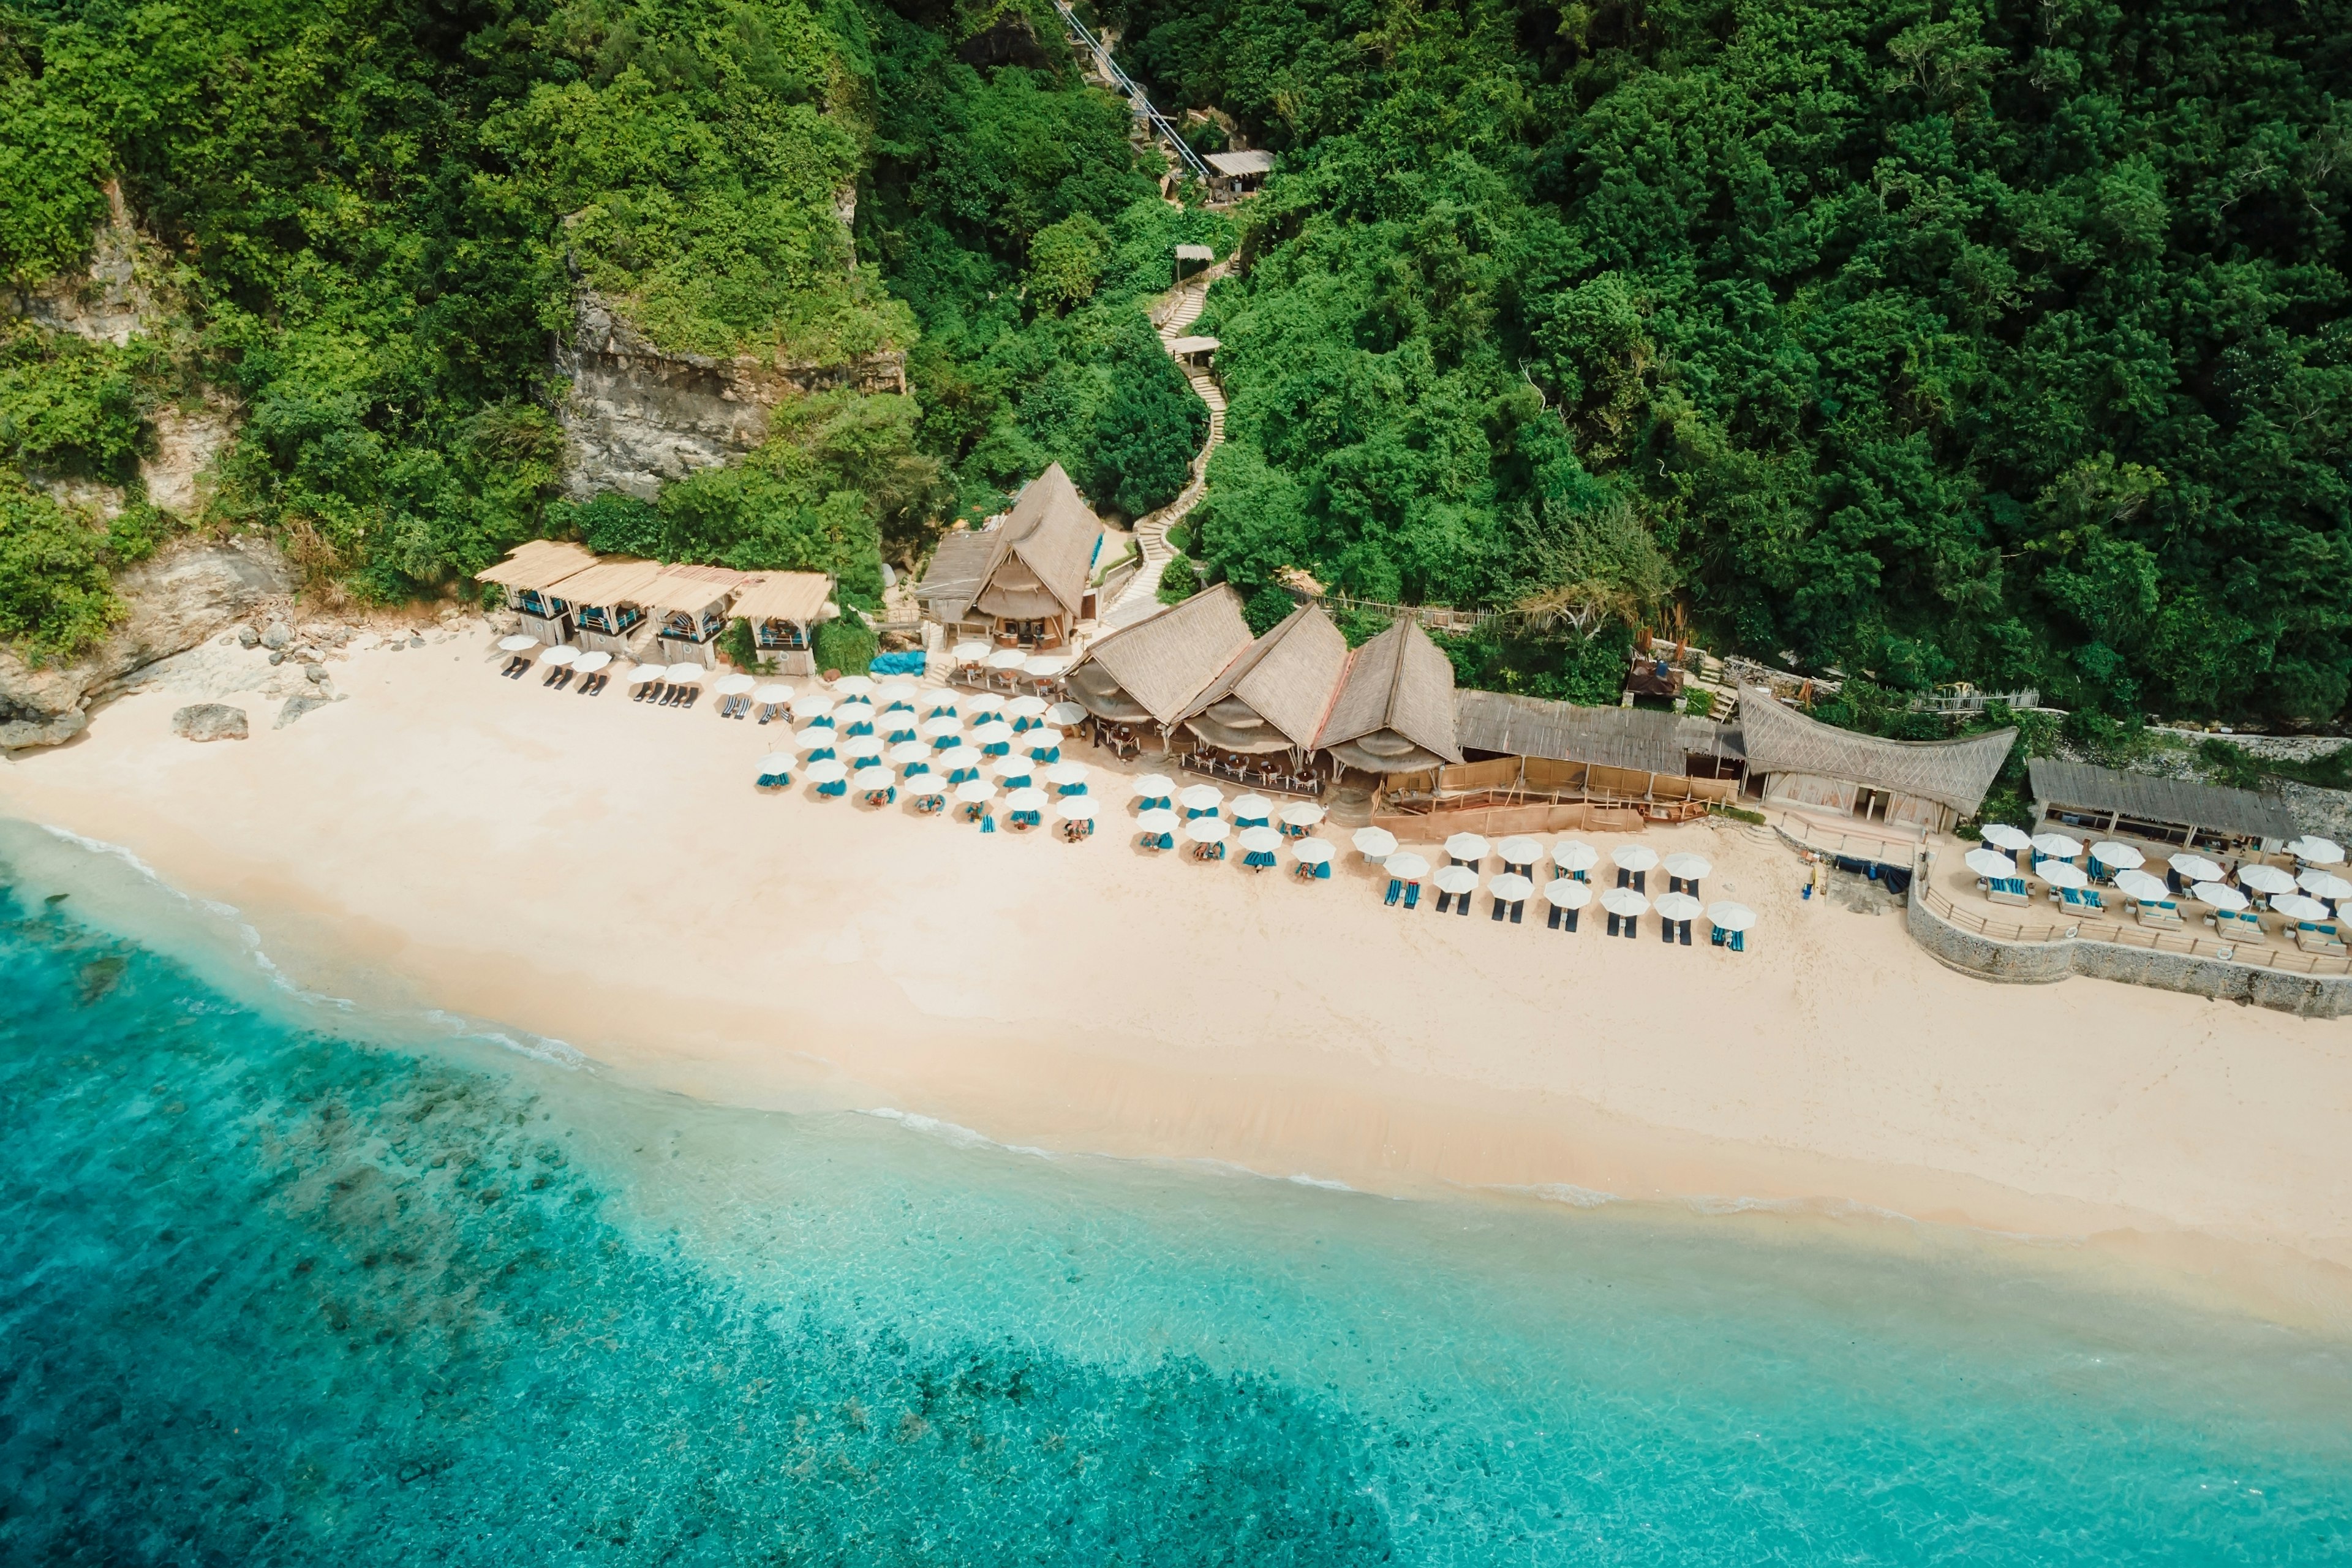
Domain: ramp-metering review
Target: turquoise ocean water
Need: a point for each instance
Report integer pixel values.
(281, 1284)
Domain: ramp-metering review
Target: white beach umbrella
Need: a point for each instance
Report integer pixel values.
(1154, 819)
(2140, 885)
(856, 711)
(1312, 852)
(2002, 836)
(1261, 840)
(1990, 863)
(560, 653)
(1690, 868)
(1253, 806)
(907, 753)
(893, 692)
(1020, 768)
(1069, 773)
(874, 778)
(971, 792)
(1075, 808)
(1468, 847)
(776, 762)
(2322, 884)
(2218, 896)
(2056, 845)
(1376, 842)
(773, 692)
(2313, 850)
(939, 727)
(688, 675)
(969, 652)
(2195, 868)
(1731, 917)
(1066, 715)
(1407, 867)
(2266, 878)
(1623, 902)
(516, 643)
(815, 738)
(733, 685)
(1043, 666)
(1025, 799)
(2061, 873)
(1025, 707)
(2296, 907)
(1201, 798)
(1574, 854)
(1520, 849)
(812, 705)
(1005, 659)
(955, 759)
(1510, 887)
(861, 749)
(1568, 893)
(853, 686)
(1155, 786)
(648, 672)
(825, 769)
(1634, 857)
(995, 733)
(2117, 856)
(1678, 907)
(1302, 814)
(590, 663)
(982, 703)
(1207, 829)
(1457, 880)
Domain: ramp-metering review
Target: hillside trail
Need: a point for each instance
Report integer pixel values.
(1139, 596)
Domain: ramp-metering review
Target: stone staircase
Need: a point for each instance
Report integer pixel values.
(1140, 594)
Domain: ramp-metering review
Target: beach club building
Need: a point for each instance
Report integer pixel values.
(1021, 581)
(608, 602)
(1139, 681)
(1395, 708)
(782, 609)
(1796, 761)
(1258, 722)
(530, 573)
(2078, 798)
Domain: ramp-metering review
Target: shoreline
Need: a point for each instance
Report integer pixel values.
(605, 877)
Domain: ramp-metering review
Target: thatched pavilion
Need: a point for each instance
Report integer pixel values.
(530, 575)
(2111, 805)
(1394, 712)
(1146, 674)
(1022, 583)
(1259, 719)
(1800, 761)
(782, 609)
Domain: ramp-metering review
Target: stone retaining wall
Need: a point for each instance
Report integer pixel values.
(2041, 963)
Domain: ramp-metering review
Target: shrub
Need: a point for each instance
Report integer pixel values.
(846, 644)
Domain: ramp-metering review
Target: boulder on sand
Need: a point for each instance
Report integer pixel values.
(210, 722)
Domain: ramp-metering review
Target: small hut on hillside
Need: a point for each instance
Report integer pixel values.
(1259, 722)
(1148, 673)
(530, 573)
(2112, 804)
(1394, 711)
(608, 601)
(1239, 174)
(782, 609)
(1800, 761)
(1022, 583)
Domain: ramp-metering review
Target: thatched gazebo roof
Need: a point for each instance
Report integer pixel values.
(1275, 696)
(539, 565)
(2180, 801)
(1955, 772)
(1153, 669)
(1394, 711)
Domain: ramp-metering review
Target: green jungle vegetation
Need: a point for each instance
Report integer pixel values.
(1925, 340)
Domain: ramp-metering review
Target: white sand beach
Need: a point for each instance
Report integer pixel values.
(606, 874)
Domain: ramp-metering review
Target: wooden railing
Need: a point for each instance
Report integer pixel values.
(2254, 955)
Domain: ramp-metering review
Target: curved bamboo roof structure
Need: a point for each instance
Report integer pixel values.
(1955, 772)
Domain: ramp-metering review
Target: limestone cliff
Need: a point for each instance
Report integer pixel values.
(637, 417)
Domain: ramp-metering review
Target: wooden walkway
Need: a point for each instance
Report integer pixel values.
(1139, 596)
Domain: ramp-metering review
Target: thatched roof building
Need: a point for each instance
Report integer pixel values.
(1150, 671)
(539, 565)
(1027, 575)
(1925, 784)
(2169, 811)
(1642, 740)
(798, 597)
(1394, 710)
(1275, 696)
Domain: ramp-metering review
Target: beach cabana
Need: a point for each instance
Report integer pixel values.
(875, 785)
(1795, 760)
(1314, 858)
(1675, 912)
(831, 778)
(1208, 836)
(608, 603)
(530, 575)
(1143, 677)
(1158, 825)
(1509, 892)
(1374, 844)
(1625, 908)
(1634, 862)
(1077, 815)
(1455, 883)
(775, 769)
(1685, 870)
(782, 609)
(1022, 582)
(1258, 845)
(1257, 721)
(692, 603)
(1405, 872)
(1393, 712)
(1566, 895)
(1202, 800)
(1251, 810)
(1731, 924)
(2113, 803)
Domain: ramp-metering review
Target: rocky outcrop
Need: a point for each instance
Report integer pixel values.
(188, 592)
(211, 721)
(112, 300)
(638, 415)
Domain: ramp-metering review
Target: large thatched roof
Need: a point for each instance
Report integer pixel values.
(1394, 711)
(613, 580)
(1641, 738)
(1031, 566)
(539, 563)
(1956, 772)
(1276, 693)
(1159, 665)
(957, 568)
(783, 597)
(2171, 801)
(690, 590)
